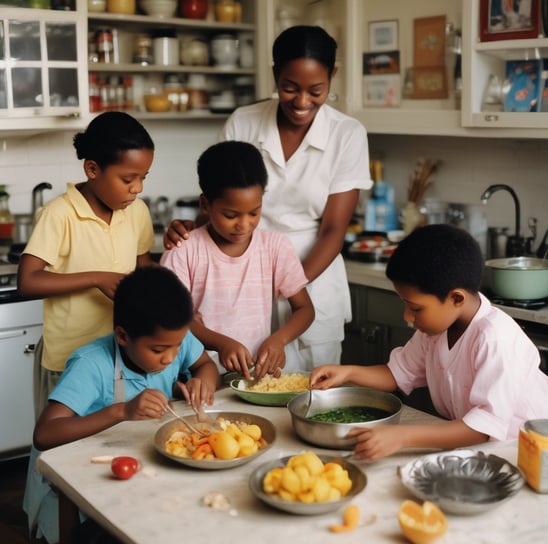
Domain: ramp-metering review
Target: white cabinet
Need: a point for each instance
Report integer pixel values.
(20, 330)
(480, 60)
(42, 79)
(217, 78)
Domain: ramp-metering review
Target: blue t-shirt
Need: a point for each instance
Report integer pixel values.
(93, 365)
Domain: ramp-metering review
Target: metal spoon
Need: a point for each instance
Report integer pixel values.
(308, 404)
(188, 425)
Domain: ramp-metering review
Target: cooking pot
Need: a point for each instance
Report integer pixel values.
(517, 278)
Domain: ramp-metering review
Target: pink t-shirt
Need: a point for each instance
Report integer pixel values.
(233, 295)
(490, 378)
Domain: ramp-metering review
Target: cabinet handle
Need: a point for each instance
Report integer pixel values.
(12, 334)
(29, 348)
(491, 117)
(372, 335)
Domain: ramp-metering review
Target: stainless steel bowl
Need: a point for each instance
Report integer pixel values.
(517, 278)
(332, 435)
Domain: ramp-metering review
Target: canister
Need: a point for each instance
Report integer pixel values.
(165, 50)
(533, 453)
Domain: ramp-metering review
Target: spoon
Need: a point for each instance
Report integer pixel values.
(308, 404)
(188, 425)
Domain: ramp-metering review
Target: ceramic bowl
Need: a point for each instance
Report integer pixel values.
(157, 103)
(462, 481)
(358, 478)
(333, 435)
(159, 8)
(165, 431)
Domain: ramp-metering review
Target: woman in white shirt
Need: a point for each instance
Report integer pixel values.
(317, 161)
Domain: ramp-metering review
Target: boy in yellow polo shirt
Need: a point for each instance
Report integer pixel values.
(86, 240)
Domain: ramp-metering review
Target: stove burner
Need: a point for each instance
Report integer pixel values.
(526, 304)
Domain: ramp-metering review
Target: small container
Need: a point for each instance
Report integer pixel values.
(228, 11)
(7, 221)
(165, 51)
(173, 89)
(247, 51)
(142, 49)
(97, 6)
(225, 51)
(533, 453)
(126, 7)
(105, 45)
(193, 9)
(194, 52)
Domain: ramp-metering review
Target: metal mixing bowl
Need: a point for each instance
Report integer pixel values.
(332, 435)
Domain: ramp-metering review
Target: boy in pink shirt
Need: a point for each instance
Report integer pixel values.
(235, 272)
(480, 367)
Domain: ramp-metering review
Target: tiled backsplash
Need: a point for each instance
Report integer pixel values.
(468, 166)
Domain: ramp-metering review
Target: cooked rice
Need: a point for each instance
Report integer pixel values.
(288, 383)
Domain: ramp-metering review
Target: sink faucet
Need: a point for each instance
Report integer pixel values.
(516, 245)
(38, 197)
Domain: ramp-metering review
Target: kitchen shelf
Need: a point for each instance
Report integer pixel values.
(172, 68)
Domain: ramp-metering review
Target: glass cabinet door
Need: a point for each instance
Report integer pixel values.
(39, 72)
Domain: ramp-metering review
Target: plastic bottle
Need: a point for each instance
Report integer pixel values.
(7, 222)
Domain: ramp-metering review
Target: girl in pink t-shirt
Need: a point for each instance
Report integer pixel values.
(235, 272)
(481, 369)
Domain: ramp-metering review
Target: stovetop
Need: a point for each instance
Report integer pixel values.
(526, 304)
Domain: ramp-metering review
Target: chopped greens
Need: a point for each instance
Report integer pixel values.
(350, 414)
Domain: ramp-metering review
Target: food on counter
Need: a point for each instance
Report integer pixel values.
(236, 439)
(305, 478)
(350, 414)
(287, 383)
(421, 524)
(124, 467)
(351, 518)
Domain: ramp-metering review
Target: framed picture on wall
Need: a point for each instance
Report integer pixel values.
(430, 82)
(383, 35)
(429, 41)
(509, 19)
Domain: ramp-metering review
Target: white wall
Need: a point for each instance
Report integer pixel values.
(468, 166)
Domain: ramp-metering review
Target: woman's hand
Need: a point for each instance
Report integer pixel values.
(149, 404)
(177, 231)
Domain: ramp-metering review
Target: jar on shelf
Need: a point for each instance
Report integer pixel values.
(165, 49)
(173, 89)
(225, 51)
(95, 104)
(105, 45)
(142, 49)
(228, 11)
(247, 51)
(197, 92)
(193, 9)
(7, 221)
(194, 51)
(125, 7)
(97, 6)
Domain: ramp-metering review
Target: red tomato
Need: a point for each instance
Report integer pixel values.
(124, 467)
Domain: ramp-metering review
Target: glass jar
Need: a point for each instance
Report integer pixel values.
(105, 45)
(173, 88)
(142, 49)
(7, 221)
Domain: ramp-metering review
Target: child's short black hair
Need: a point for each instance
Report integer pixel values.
(304, 42)
(149, 298)
(109, 136)
(436, 259)
(230, 165)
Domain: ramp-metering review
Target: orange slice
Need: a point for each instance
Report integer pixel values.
(351, 519)
(421, 524)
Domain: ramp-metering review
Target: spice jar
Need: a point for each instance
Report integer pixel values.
(105, 46)
(173, 88)
(197, 94)
(142, 49)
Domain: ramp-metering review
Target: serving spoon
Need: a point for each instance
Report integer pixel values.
(188, 425)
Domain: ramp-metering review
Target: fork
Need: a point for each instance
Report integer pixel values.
(188, 425)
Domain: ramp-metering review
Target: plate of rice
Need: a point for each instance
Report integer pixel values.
(270, 391)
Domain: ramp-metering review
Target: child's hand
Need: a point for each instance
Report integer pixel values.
(197, 391)
(376, 442)
(108, 282)
(234, 356)
(176, 232)
(326, 376)
(270, 358)
(149, 404)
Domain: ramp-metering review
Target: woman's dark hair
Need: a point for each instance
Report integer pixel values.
(149, 298)
(109, 136)
(229, 165)
(436, 259)
(304, 42)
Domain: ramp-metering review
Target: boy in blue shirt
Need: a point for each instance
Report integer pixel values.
(126, 375)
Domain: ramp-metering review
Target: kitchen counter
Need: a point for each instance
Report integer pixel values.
(373, 275)
(163, 504)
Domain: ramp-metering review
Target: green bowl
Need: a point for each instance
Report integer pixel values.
(239, 386)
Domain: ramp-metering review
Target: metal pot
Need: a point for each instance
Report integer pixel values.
(517, 278)
(332, 435)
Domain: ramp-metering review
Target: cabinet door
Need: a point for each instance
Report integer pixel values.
(42, 82)
(16, 387)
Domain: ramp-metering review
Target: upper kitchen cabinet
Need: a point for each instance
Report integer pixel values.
(484, 62)
(42, 83)
(205, 66)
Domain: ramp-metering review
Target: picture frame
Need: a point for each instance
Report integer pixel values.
(383, 35)
(429, 41)
(387, 62)
(382, 90)
(509, 19)
(430, 82)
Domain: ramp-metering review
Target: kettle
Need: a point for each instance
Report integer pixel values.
(542, 251)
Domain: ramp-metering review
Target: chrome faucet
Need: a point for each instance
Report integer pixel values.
(515, 245)
(38, 197)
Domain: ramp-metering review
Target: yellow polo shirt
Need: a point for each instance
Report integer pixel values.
(71, 238)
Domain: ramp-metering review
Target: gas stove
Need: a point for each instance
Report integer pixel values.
(525, 304)
(8, 283)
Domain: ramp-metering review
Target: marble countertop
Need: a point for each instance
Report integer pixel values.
(373, 275)
(163, 502)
